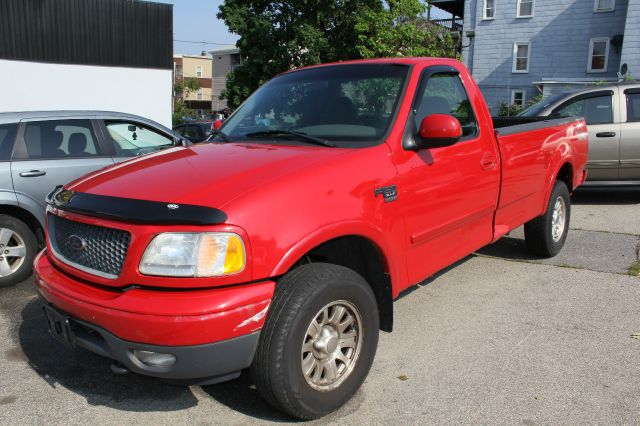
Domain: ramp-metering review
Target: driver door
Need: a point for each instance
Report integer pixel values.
(131, 139)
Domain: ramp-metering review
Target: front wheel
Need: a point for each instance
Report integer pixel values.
(318, 342)
(546, 234)
(18, 246)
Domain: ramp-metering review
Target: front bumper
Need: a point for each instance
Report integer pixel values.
(212, 332)
(198, 364)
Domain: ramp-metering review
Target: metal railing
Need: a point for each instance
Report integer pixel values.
(452, 24)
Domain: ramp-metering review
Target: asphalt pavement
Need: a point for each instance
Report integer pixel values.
(500, 337)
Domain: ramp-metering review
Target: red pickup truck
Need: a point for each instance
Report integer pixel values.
(281, 244)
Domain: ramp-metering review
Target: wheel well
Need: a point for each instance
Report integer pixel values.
(566, 175)
(364, 257)
(29, 219)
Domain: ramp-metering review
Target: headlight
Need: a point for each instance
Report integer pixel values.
(194, 255)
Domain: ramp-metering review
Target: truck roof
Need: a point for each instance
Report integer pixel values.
(398, 60)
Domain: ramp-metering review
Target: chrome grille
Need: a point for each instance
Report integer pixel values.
(94, 249)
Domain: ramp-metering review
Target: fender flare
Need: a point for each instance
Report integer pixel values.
(554, 177)
(337, 230)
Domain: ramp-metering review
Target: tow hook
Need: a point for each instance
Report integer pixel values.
(118, 369)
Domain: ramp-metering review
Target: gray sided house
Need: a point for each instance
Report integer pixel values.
(517, 49)
(225, 60)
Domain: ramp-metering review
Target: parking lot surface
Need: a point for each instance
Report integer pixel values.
(500, 337)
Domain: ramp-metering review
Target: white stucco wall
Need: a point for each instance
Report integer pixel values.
(34, 86)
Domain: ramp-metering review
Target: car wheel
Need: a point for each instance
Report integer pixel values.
(18, 246)
(546, 234)
(318, 342)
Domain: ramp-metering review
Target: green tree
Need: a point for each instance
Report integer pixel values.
(280, 36)
(181, 90)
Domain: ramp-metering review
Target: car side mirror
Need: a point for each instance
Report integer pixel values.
(438, 131)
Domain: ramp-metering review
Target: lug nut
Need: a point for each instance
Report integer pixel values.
(6, 252)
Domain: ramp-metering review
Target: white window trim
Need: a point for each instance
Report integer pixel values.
(533, 6)
(199, 70)
(513, 96)
(596, 10)
(200, 94)
(484, 10)
(606, 54)
(515, 53)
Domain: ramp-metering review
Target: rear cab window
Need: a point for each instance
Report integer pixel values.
(633, 105)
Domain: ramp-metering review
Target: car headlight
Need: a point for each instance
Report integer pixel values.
(195, 254)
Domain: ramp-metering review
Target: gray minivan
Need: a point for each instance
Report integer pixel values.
(612, 114)
(40, 150)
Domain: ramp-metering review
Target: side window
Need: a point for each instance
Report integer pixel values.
(633, 107)
(59, 139)
(132, 139)
(7, 137)
(596, 110)
(445, 94)
(192, 131)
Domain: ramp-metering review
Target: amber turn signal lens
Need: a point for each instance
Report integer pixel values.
(220, 254)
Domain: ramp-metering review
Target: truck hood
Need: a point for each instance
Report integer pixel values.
(209, 174)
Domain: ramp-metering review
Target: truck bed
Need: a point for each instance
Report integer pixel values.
(510, 125)
(528, 147)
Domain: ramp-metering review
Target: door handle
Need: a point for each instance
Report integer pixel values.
(33, 173)
(488, 163)
(606, 135)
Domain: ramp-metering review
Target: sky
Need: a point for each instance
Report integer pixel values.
(195, 22)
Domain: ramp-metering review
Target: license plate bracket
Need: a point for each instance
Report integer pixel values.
(59, 326)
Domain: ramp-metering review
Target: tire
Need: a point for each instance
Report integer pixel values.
(545, 235)
(16, 265)
(287, 344)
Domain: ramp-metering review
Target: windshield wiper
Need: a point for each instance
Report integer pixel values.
(218, 134)
(298, 135)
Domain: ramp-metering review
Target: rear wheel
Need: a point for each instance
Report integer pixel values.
(545, 235)
(18, 246)
(318, 342)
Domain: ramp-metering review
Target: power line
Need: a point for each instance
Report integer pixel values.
(202, 42)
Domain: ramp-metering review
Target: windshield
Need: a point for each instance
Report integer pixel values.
(350, 105)
(537, 108)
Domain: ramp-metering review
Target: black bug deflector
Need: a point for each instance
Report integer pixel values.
(134, 211)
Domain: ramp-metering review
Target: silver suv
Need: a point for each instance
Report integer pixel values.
(612, 114)
(40, 150)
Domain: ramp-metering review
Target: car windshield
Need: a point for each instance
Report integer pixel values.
(345, 105)
(537, 108)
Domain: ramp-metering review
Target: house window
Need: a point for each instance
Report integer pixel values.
(489, 9)
(604, 5)
(199, 94)
(199, 71)
(517, 98)
(521, 53)
(525, 9)
(598, 55)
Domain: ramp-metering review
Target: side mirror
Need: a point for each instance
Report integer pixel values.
(438, 130)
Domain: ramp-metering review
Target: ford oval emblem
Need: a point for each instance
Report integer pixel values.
(172, 206)
(77, 243)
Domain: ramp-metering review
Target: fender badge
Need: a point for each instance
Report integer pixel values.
(389, 193)
(172, 206)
